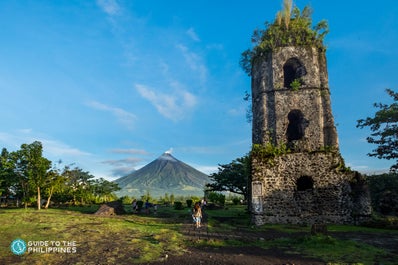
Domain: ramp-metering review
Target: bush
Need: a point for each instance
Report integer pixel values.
(216, 198)
(236, 201)
(139, 205)
(384, 193)
(126, 200)
(189, 203)
(178, 206)
(390, 222)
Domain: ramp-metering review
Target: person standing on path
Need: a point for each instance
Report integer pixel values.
(197, 215)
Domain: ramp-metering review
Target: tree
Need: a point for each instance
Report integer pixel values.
(25, 173)
(35, 167)
(22, 185)
(55, 182)
(103, 189)
(384, 193)
(384, 127)
(232, 177)
(78, 184)
(7, 176)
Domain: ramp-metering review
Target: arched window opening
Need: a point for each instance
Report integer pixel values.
(305, 183)
(297, 125)
(293, 69)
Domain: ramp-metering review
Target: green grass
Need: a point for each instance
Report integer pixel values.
(329, 249)
(298, 240)
(125, 240)
(284, 228)
(141, 238)
(353, 228)
(82, 209)
(228, 218)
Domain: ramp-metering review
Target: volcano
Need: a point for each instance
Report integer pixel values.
(164, 175)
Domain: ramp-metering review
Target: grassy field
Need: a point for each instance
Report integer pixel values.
(107, 240)
(351, 246)
(132, 238)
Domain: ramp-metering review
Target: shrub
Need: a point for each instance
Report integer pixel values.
(235, 201)
(126, 200)
(178, 206)
(291, 28)
(217, 198)
(139, 205)
(384, 193)
(189, 203)
(390, 222)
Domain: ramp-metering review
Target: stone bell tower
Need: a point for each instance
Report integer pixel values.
(298, 174)
(291, 102)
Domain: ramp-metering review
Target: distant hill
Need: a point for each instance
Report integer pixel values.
(166, 174)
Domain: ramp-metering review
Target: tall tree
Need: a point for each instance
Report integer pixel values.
(384, 127)
(21, 179)
(6, 173)
(232, 177)
(54, 182)
(103, 189)
(36, 167)
(78, 183)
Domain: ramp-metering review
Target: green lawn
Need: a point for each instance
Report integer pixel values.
(125, 239)
(129, 239)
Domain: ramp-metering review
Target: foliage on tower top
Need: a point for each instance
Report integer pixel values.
(291, 27)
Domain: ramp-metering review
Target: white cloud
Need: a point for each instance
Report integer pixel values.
(120, 172)
(170, 151)
(123, 167)
(194, 62)
(111, 7)
(56, 148)
(238, 111)
(131, 161)
(13, 141)
(192, 34)
(173, 106)
(53, 148)
(208, 170)
(122, 116)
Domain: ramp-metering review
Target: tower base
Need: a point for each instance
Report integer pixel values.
(307, 188)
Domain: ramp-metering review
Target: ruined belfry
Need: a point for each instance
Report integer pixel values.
(298, 174)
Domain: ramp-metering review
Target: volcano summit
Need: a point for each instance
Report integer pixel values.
(166, 174)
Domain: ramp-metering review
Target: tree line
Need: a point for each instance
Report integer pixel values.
(27, 177)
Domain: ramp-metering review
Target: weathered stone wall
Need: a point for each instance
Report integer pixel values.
(330, 200)
(308, 56)
(308, 101)
(272, 102)
(310, 184)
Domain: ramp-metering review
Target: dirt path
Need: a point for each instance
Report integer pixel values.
(252, 255)
(237, 256)
(233, 255)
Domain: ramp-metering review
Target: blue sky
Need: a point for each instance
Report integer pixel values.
(110, 85)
